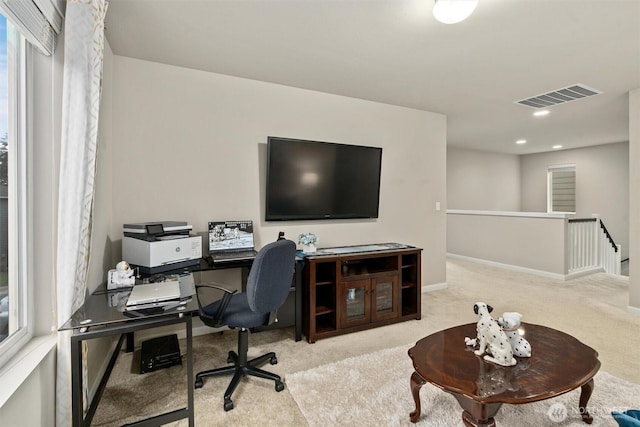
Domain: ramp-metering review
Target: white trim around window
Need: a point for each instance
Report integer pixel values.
(561, 188)
(19, 218)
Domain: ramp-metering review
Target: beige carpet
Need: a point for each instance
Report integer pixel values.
(373, 389)
(593, 309)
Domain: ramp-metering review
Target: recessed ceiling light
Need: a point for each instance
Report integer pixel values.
(555, 147)
(521, 141)
(541, 113)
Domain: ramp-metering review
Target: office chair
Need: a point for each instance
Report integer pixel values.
(267, 288)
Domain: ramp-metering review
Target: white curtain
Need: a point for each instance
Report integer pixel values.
(84, 47)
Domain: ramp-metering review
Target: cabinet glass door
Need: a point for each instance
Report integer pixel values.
(385, 292)
(355, 303)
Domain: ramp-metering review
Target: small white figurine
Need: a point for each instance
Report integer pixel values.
(121, 276)
(510, 322)
(493, 342)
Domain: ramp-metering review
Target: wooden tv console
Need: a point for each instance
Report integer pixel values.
(355, 288)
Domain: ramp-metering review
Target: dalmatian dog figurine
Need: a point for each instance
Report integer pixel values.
(492, 340)
(510, 322)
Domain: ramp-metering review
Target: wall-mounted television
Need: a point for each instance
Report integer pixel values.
(311, 180)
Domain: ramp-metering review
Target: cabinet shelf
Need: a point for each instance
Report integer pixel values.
(360, 267)
(322, 309)
(352, 292)
(325, 283)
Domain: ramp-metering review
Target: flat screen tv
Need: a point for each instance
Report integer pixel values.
(311, 180)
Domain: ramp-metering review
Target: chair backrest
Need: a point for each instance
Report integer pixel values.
(271, 275)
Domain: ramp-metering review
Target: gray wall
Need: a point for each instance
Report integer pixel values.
(602, 185)
(485, 181)
(191, 145)
(480, 180)
(528, 242)
(180, 144)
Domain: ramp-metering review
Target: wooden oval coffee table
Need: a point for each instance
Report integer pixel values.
(559, 363)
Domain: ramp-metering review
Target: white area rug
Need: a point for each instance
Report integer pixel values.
(373, 389)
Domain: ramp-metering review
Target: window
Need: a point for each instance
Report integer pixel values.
(561, 189)
(14, 329)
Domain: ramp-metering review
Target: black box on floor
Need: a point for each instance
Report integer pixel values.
(158, 353)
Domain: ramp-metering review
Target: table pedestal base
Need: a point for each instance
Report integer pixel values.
(477, 414)
(469, 421)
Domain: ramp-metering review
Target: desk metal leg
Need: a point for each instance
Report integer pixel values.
(93, 405)
(76, 382)
(190, 383)
(77, 394)
(130, 342)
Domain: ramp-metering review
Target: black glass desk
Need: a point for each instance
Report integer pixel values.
(103, 315)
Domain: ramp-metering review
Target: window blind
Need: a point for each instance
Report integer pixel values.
(562, 188)
(39, 21)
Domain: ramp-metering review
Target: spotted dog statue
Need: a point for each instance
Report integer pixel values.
(510, 322)
(491, 339)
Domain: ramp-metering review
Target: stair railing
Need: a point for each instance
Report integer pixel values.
(591, 246)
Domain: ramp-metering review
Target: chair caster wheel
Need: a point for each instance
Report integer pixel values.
(274, 360)
(228, 405)
(279, 386)
(229, 358)
(198, 383)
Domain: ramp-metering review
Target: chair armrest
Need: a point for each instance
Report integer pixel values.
(226, 298)
(216, 286)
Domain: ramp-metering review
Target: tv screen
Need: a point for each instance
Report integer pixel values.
(308, 180)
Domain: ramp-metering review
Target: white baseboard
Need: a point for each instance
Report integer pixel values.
(633, 310)
(198, 330)
(434, 287)
(542, 273)
(203, 330)
(584, 273)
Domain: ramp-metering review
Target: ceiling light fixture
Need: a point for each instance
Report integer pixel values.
(453, 11)
(521, 141)
(541, 113)
(555, 147)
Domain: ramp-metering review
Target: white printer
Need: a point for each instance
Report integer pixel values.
(156, 247)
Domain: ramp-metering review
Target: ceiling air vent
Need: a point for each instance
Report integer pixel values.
(560, 96)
